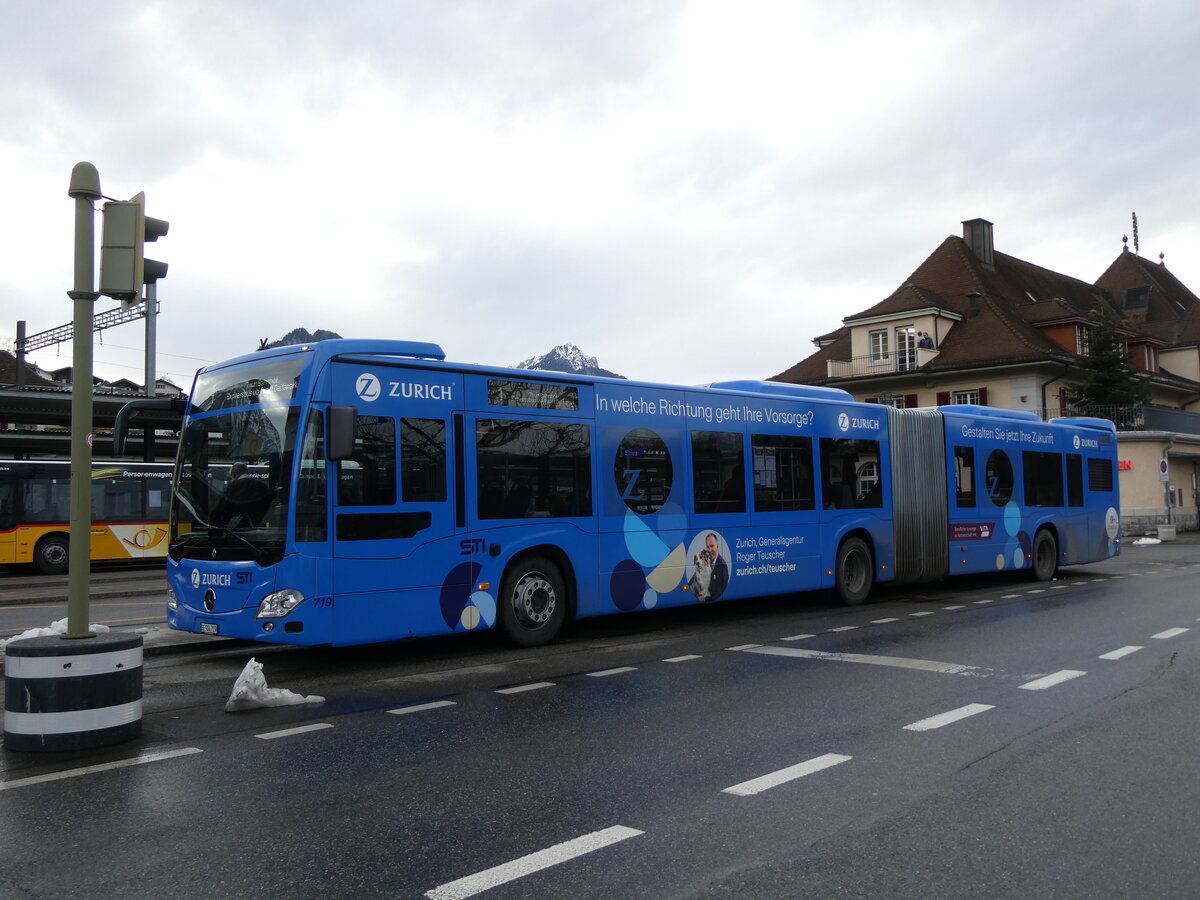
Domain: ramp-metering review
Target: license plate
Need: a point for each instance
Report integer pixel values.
(208, 627)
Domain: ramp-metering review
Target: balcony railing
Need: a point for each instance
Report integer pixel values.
(1141, 417)
(904, 361)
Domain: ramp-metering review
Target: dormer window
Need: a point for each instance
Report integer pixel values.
(1137, 298)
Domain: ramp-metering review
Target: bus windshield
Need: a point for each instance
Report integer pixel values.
(235, 461)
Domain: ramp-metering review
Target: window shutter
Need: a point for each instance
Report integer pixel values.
(983, 396)
(910, 401)
(943, 398)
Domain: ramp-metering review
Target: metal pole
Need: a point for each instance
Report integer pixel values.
(85, 188)
(20, 353)
(151, 302)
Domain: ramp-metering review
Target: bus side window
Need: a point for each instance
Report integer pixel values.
(311, 503)
(850, 476)
(964, 476)
(368, 478)
(718, 472)
(783, 476)
(7, 520)
(422, 460)
(1074, 479)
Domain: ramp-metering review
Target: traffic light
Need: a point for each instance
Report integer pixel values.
(123, 265)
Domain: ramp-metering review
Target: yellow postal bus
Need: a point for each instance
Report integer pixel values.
(130, 505)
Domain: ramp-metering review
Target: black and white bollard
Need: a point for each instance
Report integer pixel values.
(72, 694)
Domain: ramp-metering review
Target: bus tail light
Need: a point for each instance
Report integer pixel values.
(279, 604)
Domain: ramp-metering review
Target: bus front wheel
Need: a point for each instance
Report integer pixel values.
(533, 602)
(51, 554)
(855, 571)
(1045, 556)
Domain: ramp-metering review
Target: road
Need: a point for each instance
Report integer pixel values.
(984, 738)
(120, 596)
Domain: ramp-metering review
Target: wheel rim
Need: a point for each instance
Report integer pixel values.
(534, 600)
(54, 554)
(854, 572)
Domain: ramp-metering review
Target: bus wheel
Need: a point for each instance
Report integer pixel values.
(51, 554)
(1045, 556)
(855, 572)
(533, 602)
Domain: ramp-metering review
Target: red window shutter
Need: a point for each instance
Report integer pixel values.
(983, 396)
(910, 401)
(943, 398)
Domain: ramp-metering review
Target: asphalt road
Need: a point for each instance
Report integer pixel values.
(983, 738)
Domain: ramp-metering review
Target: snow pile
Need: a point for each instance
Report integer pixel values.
(1146, 541)
(59, 627)
(250, 691)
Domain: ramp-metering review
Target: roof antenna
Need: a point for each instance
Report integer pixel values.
(1162, 259)
(1124, 243)
(1135, 234)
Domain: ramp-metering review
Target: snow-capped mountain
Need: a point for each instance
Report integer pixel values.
(567, 358)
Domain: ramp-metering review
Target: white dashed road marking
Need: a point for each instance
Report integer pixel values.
(1169, 633)
(948, 718)
(1117, 654)
(791, 773)
(101, 767)
(604, 673)
(421, 707)
(522, 688)
(1049, 681)
(534, 862)
(925, 665)
(288, 732)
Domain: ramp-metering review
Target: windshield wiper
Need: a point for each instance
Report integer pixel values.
(225, 531)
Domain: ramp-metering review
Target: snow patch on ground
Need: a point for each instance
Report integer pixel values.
(55, 628)
(250, 691)
(1146, 541)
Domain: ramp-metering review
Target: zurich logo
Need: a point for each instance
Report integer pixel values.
(195, 578)
(1076, 442)
(844, 422)
(368, 387)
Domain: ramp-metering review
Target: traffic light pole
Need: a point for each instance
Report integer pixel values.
(85, 188)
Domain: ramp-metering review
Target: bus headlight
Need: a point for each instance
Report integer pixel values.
(279, 604)
(172, 600)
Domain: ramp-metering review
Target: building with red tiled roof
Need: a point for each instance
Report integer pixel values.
(1006, 332)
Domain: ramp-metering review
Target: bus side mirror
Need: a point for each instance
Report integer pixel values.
(340, 433)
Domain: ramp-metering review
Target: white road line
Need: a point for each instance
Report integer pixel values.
(985, 602)
(743, 647)
(883, 621)
(522, 688)
(1010, 596)
(675, 659)
(1169, 633)
(534, 862)
(1094, 580)
(798, 637)
(948, 718)
(288, 732)
(604, 673)
(101, 767)
(924, 613)
(1049, 681)
(845, 628)
(1058, 587)
(421, 707)
(1036, 591)
(950, 608)
(925, 665)
(1117, 654)
(791, 773)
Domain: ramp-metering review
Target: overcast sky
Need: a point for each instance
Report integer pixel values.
(689, 191)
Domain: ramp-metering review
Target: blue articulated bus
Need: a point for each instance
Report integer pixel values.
(355, 491)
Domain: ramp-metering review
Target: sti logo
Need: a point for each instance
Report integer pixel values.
(368, 387)
(844, 422)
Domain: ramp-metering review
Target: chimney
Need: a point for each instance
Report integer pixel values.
(978, 235)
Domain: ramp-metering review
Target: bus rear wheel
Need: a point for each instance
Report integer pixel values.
(52, 554)
(855, 571)
(533, 602)
(1045, 556)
